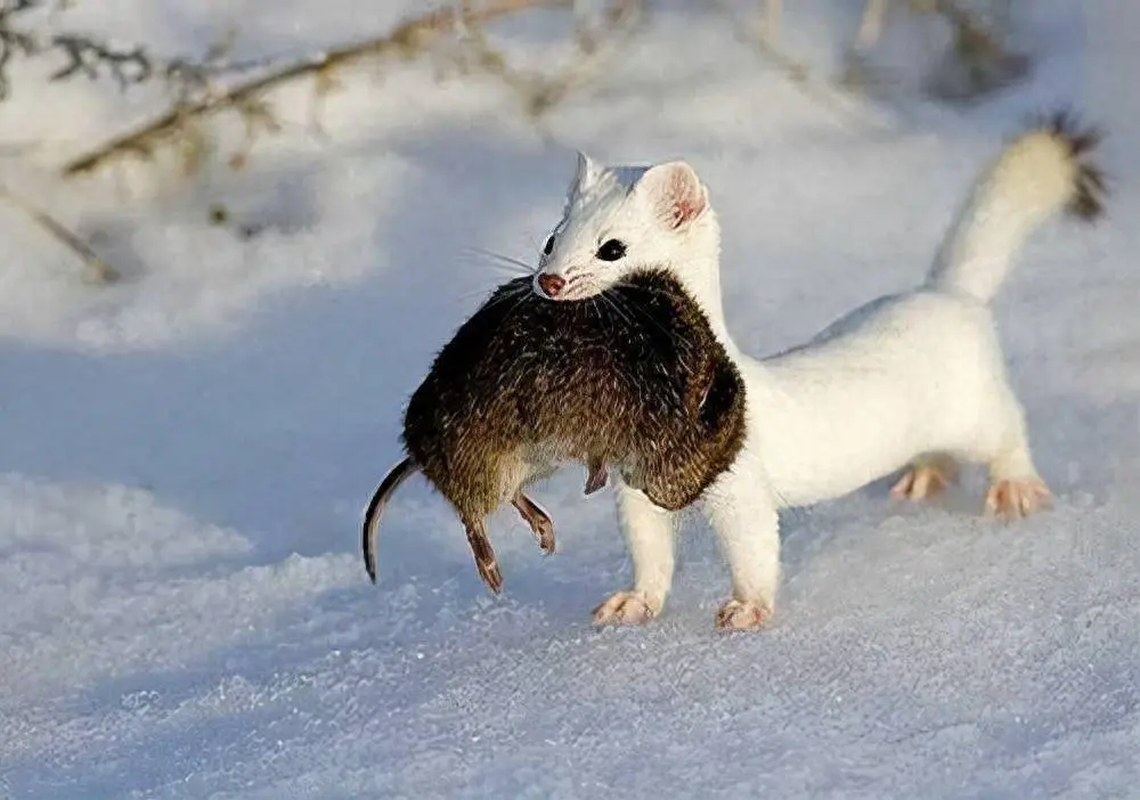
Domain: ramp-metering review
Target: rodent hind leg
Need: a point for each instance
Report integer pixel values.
(742, 513)
(926, 476)
(649, 536)
(485, 561)
(515, 471)
(539, 521)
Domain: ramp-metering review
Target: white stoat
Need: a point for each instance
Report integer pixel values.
(913, 381)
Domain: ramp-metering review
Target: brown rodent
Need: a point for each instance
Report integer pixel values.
(634, 378)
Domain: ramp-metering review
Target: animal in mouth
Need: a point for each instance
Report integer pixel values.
(632, 377)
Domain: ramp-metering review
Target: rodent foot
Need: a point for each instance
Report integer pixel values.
(491, 575)
(596, 477)
(925, 479)
(742, 615)
(544, 533)
(625, 608)
(538, 520)
(1016, 498)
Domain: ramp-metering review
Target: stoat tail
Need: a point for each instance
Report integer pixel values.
(397, 475)
(1045, 169)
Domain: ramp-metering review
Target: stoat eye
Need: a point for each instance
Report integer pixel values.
(549, 248)
(611, 250)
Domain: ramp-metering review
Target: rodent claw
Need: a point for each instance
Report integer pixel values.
(491, 576)
(596, 477)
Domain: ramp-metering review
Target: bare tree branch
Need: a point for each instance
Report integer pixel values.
(85, 55)
(764, 38)
(95, 270)
(539, 92)
(409, 39)
(979, 60)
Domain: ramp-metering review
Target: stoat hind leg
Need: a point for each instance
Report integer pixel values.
(927, 476)
(1016, 489)
(1000, 442)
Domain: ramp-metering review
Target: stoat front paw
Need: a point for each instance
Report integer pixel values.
(625, 608)
(742, 615)
(1017, 498)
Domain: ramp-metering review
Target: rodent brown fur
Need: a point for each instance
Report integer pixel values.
(634, 378)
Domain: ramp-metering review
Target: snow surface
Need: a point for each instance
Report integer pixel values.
(186, 455)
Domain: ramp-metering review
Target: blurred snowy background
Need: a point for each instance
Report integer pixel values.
(221, 282)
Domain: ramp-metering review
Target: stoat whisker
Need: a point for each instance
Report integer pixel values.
(464, 296)
(513, 265)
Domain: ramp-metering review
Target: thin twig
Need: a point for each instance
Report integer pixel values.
(96, 269)
(85, 55)
(539, 93)
(978, 61)
(770, 19)
(968, 27)
(796, 72)
(871, 25)
(409, 39)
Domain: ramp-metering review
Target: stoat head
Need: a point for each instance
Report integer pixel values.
(618, 219)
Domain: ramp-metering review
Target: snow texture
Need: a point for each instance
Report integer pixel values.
(186, 454)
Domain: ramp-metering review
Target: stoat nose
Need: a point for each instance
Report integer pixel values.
(551, 284)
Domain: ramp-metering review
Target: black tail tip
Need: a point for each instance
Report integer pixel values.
(1082, 140)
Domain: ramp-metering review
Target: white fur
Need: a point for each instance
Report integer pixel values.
(904, 379)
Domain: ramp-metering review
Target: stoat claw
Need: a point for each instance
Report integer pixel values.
(1017, 498)
(741, 615)
(925, 480)
(624, 608)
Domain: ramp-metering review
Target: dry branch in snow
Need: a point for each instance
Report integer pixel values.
(96, 270)
(978, 61)
(84, 55)
(213, 85)
(408, 40)
(203, 92)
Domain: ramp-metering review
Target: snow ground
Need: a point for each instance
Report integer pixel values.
(186, 455)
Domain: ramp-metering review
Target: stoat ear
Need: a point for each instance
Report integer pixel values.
(674, 192)
(587, 174)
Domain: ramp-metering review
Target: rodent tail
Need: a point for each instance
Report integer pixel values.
(1045, 169)
(397, 475)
